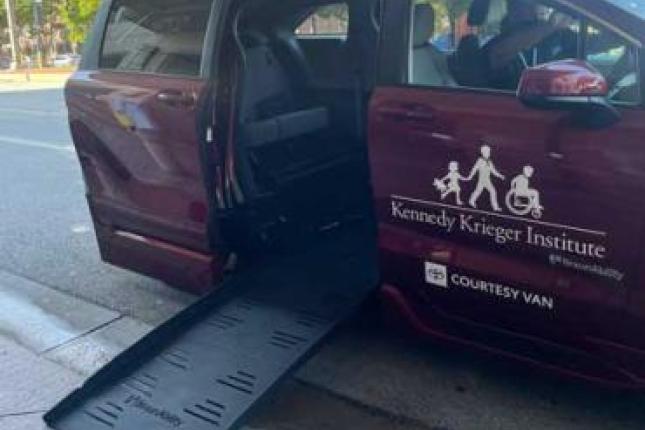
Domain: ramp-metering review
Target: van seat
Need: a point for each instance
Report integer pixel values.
(280, 130)
(285, 127)
(271, 111)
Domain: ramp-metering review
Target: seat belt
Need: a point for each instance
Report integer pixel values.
(358, 103)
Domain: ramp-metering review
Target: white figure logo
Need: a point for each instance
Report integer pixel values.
(521, 200)
(484, 169)
(449, 184)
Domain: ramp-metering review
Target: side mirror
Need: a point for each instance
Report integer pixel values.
(570, 85)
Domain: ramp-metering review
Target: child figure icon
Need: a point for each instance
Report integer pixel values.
(450, 184)
(522, 199)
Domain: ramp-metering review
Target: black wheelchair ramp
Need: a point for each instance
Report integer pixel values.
(205, 368)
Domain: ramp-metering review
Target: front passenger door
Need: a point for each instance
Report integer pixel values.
(555, 261)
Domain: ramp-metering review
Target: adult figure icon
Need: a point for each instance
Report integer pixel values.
(485, 169)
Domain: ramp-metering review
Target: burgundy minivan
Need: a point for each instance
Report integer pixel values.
(493, 151)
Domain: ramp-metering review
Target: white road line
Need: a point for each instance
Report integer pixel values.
(31, 112)
(10, 140)
(514, 218)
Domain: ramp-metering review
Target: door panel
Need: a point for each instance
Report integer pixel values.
(558, 272)
(137, 139)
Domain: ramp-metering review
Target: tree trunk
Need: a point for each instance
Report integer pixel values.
(13, 38)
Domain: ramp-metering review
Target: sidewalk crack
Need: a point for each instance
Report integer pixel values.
(82, 335)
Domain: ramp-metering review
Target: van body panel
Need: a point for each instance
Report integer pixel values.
(568, 275)
(452, 269)
(141, 158)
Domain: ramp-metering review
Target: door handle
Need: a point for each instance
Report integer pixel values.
(419, 115)
(394, 114)
(557, 156)
(177, 98)
(403, 114)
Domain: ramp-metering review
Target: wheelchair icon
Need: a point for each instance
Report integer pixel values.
(523, 205)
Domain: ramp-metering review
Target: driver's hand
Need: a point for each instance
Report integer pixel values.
(560, 20)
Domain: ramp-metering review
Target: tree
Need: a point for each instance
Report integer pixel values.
(24, 12)
(78, 15)
(336, 18)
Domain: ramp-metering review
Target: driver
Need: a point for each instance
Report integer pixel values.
(528, 36)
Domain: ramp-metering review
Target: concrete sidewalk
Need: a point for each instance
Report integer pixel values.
(51, 342)
(29, 386)
(363, 378)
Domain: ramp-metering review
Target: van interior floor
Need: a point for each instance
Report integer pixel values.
(206, 367)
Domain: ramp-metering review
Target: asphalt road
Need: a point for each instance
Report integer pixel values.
(365, 378)
(45, 229)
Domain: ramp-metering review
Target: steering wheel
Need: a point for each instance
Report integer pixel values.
(622, 76)
(628, 83)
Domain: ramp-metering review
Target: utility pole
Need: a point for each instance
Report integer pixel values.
(13, 37)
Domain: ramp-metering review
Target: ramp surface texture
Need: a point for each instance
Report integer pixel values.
(206, 367)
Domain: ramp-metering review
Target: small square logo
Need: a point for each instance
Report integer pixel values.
(437, 275)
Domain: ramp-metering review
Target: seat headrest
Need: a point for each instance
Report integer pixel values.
(423, 24)
(253, 39)
(478, 12)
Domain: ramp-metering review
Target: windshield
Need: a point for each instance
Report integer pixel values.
(637, 7)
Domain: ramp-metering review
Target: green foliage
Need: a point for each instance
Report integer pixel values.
(77, 16)
(25, 11)
(339, 12)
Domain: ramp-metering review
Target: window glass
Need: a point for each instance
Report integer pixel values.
(331, 20)
(486, 43)
(156, 36)
(637, 7)
(617, 60)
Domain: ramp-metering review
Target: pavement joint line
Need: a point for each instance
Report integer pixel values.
(22, 414)
(82, 335)
(55, 288)
(58, 290)
(57, 146)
